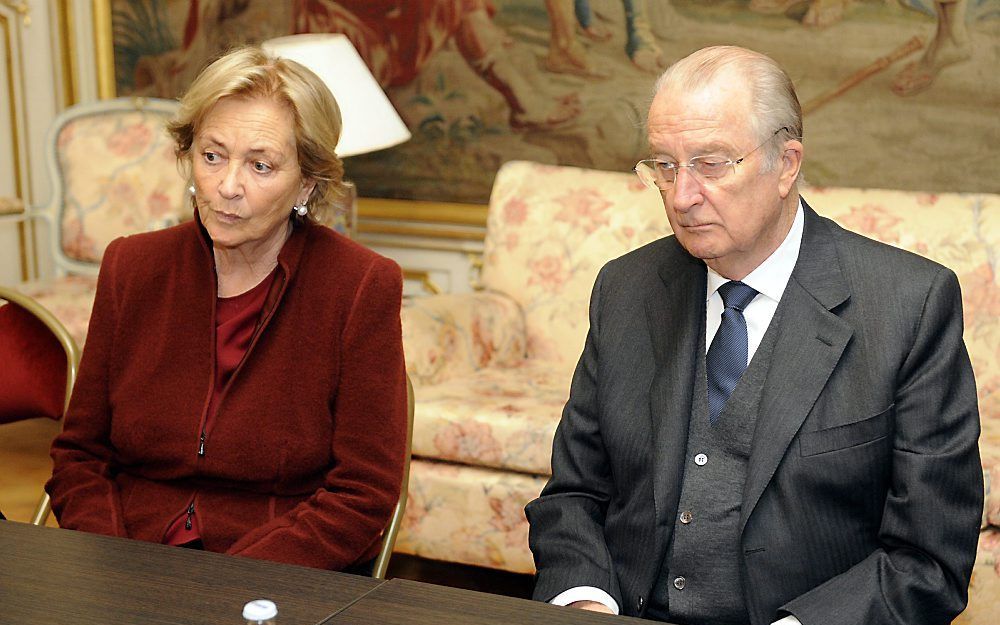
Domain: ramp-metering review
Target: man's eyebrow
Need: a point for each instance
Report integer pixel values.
(707, 149)
(714, 147)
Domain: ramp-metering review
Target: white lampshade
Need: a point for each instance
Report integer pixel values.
(370, 121)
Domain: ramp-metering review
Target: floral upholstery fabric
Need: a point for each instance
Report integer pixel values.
(451, 335)
(549, 231)
(498, 417)
(119, 176)
(486, 409)
(69, 298)
(469, 515)
(984, 590)
(991, 478)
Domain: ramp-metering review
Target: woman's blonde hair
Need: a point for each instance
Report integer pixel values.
(249, 72)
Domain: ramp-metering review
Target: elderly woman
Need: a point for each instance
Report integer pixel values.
(242, 388)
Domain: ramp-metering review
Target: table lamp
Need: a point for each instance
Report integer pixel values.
(370, 122)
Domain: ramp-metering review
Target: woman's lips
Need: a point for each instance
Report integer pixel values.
(227, 218)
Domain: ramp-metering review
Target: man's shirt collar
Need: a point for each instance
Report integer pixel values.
(772, 275)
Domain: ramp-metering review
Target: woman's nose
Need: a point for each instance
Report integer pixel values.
(231, 185)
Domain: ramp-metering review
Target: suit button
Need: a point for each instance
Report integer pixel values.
(701, 460)
(679, 582)
(686, 517)
(639, 604)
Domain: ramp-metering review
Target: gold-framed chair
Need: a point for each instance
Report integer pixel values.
(31, 317)
(396, 520)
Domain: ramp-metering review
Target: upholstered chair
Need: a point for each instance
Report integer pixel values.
(113, 172)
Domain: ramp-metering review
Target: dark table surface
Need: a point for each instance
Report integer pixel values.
(405, 602)
(54, 576)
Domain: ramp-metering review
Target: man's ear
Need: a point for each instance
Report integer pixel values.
(791, 162)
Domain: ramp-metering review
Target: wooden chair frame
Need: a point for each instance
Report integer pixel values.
(392, 529)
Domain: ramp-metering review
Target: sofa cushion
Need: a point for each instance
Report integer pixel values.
(549, 231)
(466, 514)
(452, 335)
(497, 417)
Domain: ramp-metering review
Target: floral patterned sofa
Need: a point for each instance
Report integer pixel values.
(491, 369)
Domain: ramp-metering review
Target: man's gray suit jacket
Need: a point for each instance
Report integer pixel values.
(864, 488)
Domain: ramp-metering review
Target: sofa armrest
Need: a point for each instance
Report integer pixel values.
(453, 334)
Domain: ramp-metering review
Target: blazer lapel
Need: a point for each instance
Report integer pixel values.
(808, 348)
(675, 315)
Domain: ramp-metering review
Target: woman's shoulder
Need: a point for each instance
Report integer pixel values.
(158, 243)
(154, 256)
(331, 246)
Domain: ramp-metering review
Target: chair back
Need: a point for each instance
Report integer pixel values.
(113, 173)
(33, 343)
(396, 520)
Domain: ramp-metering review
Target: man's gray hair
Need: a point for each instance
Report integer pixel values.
(772, 96)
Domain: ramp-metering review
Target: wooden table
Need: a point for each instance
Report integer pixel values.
(405, 602)
(61, 577)
(57, 577)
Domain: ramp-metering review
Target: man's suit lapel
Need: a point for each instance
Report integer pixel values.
(808, 348)
(674, 314)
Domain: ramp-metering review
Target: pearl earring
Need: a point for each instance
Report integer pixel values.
(301, 209)
(191, 189)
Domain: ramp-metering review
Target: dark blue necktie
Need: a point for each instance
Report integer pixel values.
(727, 357)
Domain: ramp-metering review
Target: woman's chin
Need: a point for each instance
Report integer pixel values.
(225, 237)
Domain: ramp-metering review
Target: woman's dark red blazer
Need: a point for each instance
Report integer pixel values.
(304, 461)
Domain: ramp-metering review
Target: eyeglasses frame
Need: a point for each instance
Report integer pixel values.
(678, 166)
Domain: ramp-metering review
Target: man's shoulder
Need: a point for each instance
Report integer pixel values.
(647, 259)
(648, 269)
(865, 256)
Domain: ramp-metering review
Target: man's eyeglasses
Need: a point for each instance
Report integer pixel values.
(661, 175)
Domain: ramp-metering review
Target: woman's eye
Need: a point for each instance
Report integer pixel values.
(211, 157)
(261, 167)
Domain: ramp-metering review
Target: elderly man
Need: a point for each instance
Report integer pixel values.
(773, 419)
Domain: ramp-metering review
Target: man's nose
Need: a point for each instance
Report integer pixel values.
(687, 189)
(231, 185)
